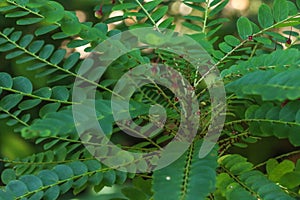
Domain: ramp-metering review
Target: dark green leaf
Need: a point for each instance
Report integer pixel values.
(52, 193)
(6, 195)
(10, 101)
(26, 40)
(32, 182)
(8, 175)
(77, 43)
(45, 29)
(14, 54)
(28, 104)
(59, 35)
(46, 73)
(71, 60)
(60, 93)
(46, 51)
(16, 187)
(7, 8)
(45, 92)
(22, 84)
(124, 6)
(15, 36)
(7, 47)
(63, 171)
(134, 193)
(5, 80)
(36, 66)
(8, 31)
(48, 177)
(78, 168)
(58, 56)
(109, 177)
(52, 107)
(36, 46)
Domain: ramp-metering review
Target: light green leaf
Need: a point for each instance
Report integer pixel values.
(70, 24)
(225, 47)
(265, 17)
(218, 8)
(17, 14)
(231, 40)
(290, 180)
(52, 11)
(159, 13)
(280, 10)
(292, 8)
(29, 21)
(244, 27)
(281, 169)
(152, 4)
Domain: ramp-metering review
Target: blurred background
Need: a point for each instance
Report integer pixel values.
(12, 146)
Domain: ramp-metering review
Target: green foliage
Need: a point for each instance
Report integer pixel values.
(182, 178)
(258, 62)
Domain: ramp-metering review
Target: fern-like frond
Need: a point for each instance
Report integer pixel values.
(279, 60)
(239, 181)
(270, 85)
(188, 177)
(50, 184)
